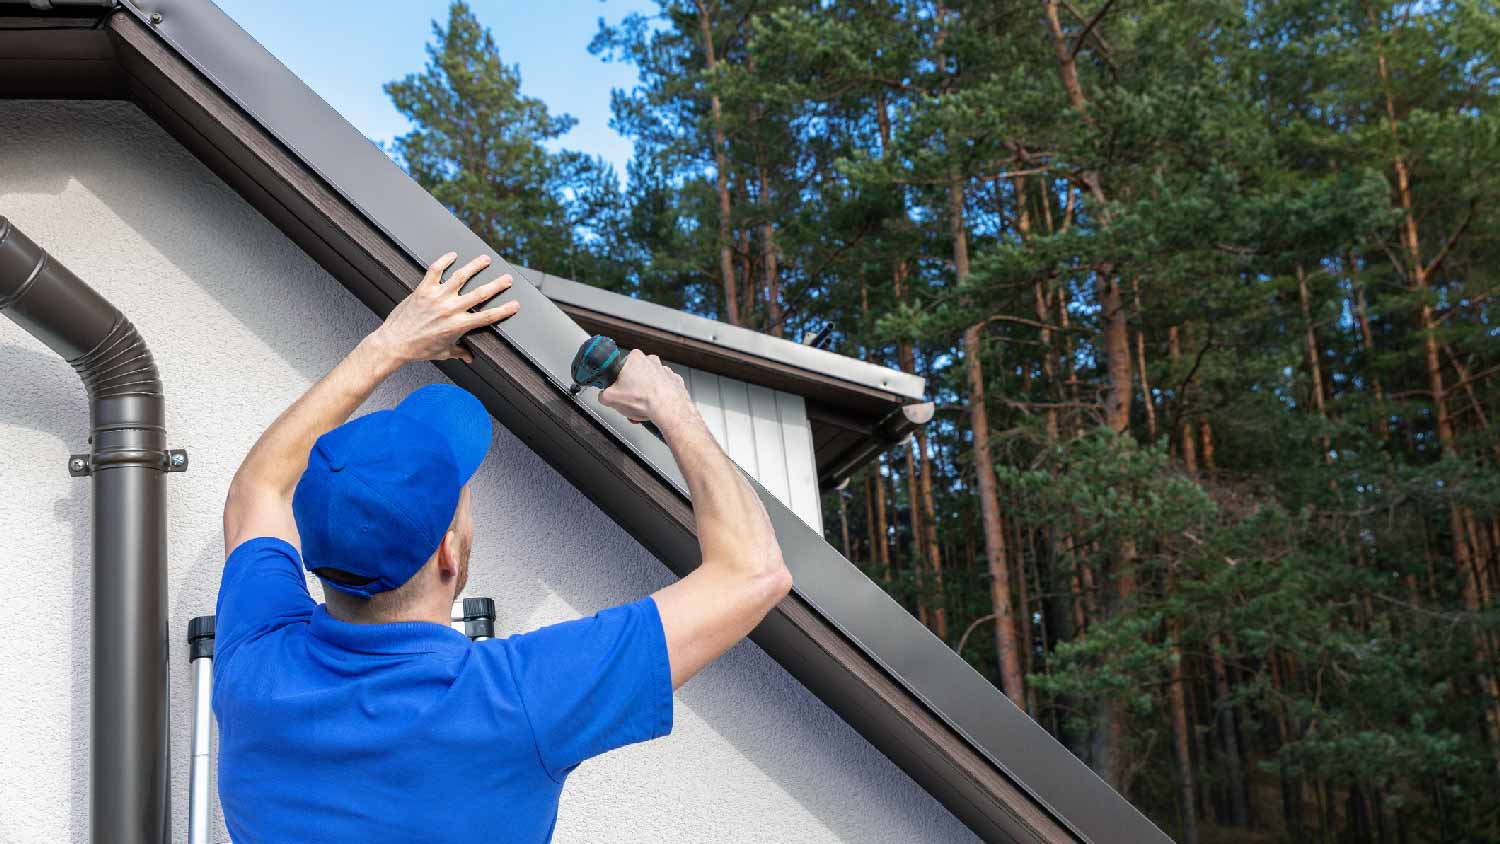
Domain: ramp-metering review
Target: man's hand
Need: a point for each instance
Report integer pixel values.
(647, 390)
(427, 324)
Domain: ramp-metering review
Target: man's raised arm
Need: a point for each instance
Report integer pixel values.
(742, 576)
(426, 325)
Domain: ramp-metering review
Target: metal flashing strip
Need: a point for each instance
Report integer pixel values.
(314, 134)
(734, 337)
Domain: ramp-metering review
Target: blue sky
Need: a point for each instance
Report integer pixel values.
(346, 52)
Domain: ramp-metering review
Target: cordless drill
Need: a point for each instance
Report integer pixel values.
(597, 364)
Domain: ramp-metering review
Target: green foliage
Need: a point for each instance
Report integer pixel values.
(1107, 489)
(477, 147)
(1277, 520)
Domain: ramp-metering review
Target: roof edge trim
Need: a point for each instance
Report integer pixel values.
(738, 338)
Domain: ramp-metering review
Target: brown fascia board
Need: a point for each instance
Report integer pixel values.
(255, 125)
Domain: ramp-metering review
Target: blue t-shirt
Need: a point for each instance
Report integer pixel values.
(409, 732)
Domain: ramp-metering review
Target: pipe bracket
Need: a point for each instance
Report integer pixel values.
(171, 460)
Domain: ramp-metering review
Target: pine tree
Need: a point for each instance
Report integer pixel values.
(477, 145)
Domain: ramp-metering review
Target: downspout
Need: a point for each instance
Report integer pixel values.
(127, 460)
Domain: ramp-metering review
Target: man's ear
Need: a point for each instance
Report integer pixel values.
(447, 558)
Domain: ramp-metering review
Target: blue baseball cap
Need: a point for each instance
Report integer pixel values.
(380, 491)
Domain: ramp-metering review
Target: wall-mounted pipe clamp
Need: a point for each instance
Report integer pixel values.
(171, 460)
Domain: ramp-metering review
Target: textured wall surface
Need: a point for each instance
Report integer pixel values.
(241, 321)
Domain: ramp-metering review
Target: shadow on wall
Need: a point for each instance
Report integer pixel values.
(176, 204)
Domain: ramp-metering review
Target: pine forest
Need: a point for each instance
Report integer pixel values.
(1202, 291)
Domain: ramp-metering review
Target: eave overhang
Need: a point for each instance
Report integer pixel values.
(856, 409)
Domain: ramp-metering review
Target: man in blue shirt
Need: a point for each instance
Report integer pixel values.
(369, 719)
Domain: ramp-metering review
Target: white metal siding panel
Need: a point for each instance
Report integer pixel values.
(737, 424)
(765, 432)
(768, 448)
(796, 441)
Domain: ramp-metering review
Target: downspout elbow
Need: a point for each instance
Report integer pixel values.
(84, 329)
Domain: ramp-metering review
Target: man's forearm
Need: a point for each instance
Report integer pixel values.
(742, 575)
(280, 455)
(734, 531)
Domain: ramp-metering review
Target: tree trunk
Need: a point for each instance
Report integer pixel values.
(993, 524)
(1147, 401)
(748, 285)
(721, 164)
(1088, 592)
(1023, 611)
(1117, 352)
(1196, 696)
(1111, 308)
(1067, 68)
(1109, 755)
(1314, 365)
(1182, 736)
(1206, 433)
(1293, 807)
(1058, 361)
(1043, 309)
(919, 567)
(984, 471)
(928, 542)
(1495, 551)
(1043, 645)
(929, 527)
(924, 520)
(1239, 812)
(1074, 391)
(1367, 341)
(768, 252)
(1188, 442)
(1049, 361)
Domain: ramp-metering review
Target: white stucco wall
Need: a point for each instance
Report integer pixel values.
(241, 321)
